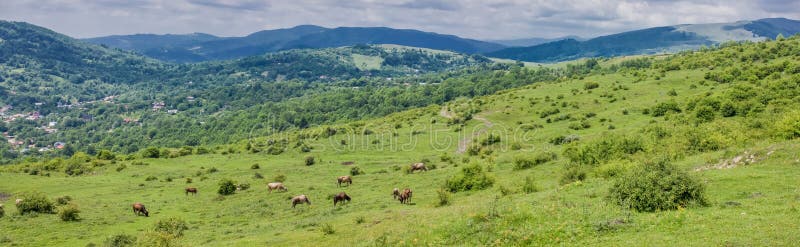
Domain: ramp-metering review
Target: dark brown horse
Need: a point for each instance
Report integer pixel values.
(192, 190)
(341, 197)
(345, 179)
(300, 200)
(405, 196)
(138, 209)
(418, 167)
(396, 193)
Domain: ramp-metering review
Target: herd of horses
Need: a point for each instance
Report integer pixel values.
(404, 196)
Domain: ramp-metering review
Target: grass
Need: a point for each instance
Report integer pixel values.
(750, 205)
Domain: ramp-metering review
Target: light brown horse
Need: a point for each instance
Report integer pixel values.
(396, 193)
(192, 190)
(418, 167)
(345, 179)
(405, 196)
(276, 186)
(300, 200)
(341, 197)
(138, 209)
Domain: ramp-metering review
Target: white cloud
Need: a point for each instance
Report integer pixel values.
(483, 19)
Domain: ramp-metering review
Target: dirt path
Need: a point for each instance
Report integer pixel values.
(464, 142)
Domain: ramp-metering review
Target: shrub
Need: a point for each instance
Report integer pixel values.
(106, 155)
(355, 170)
(360, 219)
(151, 152)
(243, 186)
(69, 213)
(672, 92)
(310, 160)
(151, 178)
(212, 170)
(657, 186)
(530, 185)
(522, 162)
(172, 226)
(64, 200)
(140, 163)
(704, 114)
(472, 177)
(258, 176)
(35, 202)
(491, 139)
(327, 229)
(226, 187)
(572, 174)
(603, 149)
(120, 240)
(2, 212)
(590, 85)
(663, 108)
(255, 167)
(279, 178)
(76, 168)
(560, 140)
(121, 167)
(188, 180)
(444, 197)
(579, 125)
(789, 126)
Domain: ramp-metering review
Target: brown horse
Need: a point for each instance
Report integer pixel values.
(345, 179)
(300, 200)
(418, 167)
(396, 193)
(138, 209)
(276, 186)
(341, 197)
(192, 190)
(405, 196)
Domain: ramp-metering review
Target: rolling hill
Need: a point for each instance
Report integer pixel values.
(708, 140)
(653, 40)
(200, 47)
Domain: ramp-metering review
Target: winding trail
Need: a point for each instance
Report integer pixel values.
(465, 141)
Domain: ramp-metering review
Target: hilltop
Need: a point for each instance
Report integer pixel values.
(202, 47)
(667, 39)
(545, 164)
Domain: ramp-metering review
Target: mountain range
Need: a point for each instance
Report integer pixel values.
(198, 47)
(653, 40)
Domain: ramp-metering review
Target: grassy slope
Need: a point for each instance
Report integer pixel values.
(557, 214)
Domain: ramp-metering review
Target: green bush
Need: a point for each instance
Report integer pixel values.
(35, 202)
(255, 166)
(657, 186)
(279, 178)
(2, 212)
(243, 186)
(151, 178)
(151, 152)
(172, 226)
(789, 126)
(589, 85)
(444, 197)
(491, 139)
(530, 185)
(106, 155)
(310, 161)
(572, 173)
(258, 176)
(327, 229)
(472, 177)
(603, 149)
(663, 108)
(226, 187)
(525, 162)
(355, 170)
(121, 167)
(64, 200)
(69, 212)
(76, 168)
(120, 240)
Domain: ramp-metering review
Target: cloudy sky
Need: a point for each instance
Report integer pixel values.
(480, 19)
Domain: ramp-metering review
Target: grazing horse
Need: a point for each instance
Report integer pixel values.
(138, 209)
(418, 166)
(300, 200)
(396, 193)
(18, 202)
(405, 196)
(276, 186)
(341, 197)
(345, 179)
(192, 190)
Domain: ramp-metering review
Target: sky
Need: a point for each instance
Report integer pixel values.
(477, 19)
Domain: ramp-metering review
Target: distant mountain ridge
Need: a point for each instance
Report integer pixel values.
(653, 40)
(532, 41)
(204, 47)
